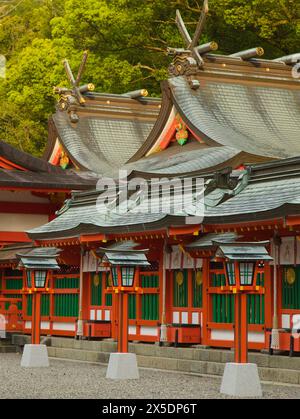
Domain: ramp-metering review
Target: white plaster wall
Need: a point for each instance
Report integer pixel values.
(21, 222)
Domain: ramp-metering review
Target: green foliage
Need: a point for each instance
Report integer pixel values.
(127, 40)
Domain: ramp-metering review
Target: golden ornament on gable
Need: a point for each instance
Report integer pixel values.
(64, 160)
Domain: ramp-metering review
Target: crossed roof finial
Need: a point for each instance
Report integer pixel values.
(192, 47)
(74, 95)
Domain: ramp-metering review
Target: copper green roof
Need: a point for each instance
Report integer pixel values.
(109, 131)
(255, 197)
(243, 251)
(35, 173)
(260, 119)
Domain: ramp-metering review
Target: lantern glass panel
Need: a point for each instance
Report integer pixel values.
(29, 279)
(230, 267)
(114, 275)
(128, 276)
(247, 273)
(40, 279)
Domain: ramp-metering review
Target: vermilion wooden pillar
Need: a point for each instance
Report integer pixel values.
(205, 301)
(268, 296)
(36, 318)
(123, 323)
(241, 329)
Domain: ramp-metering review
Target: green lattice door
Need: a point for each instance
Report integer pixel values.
(223, 304)
(291, 288)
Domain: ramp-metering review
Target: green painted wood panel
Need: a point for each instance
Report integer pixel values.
(149, 281)
(291, 293)
(66, 283)
(96, 289)
(19, 304)
(256, 304)
(150, 306)
(29, 305)
(45, 305)
(197, 292)
(14, 284)
(180, 291)
(150, 302)
(222, 304)
(108, 300)
(132, 306)
(108, 296)
(66, 305)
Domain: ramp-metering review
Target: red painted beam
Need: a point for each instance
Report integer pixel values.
(293, 221)
(92, 238)
(13, 237)
(6, 164)
(176, 231)
(41, 190)
(28, 208)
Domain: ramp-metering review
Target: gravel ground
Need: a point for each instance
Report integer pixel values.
(65, 379)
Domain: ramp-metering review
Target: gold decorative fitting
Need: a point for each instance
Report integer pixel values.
(91, 87)
(199, 278)
(110, 283)
(64, 160)
(179, 278)
(96, 280)
(290, 276)
(214, 46)
(260, 51)
(144, 92)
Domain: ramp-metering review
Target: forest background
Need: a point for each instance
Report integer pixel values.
(127, 42)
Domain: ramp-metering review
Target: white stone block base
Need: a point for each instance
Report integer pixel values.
(35, 356)
(241, 380)
(122, 366)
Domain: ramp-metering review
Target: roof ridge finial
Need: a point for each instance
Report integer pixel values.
(200, 25)
(74, 95)
(193, 51)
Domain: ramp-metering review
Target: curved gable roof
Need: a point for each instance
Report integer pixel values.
(255, 118)
(109, 131)
(24, 161)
